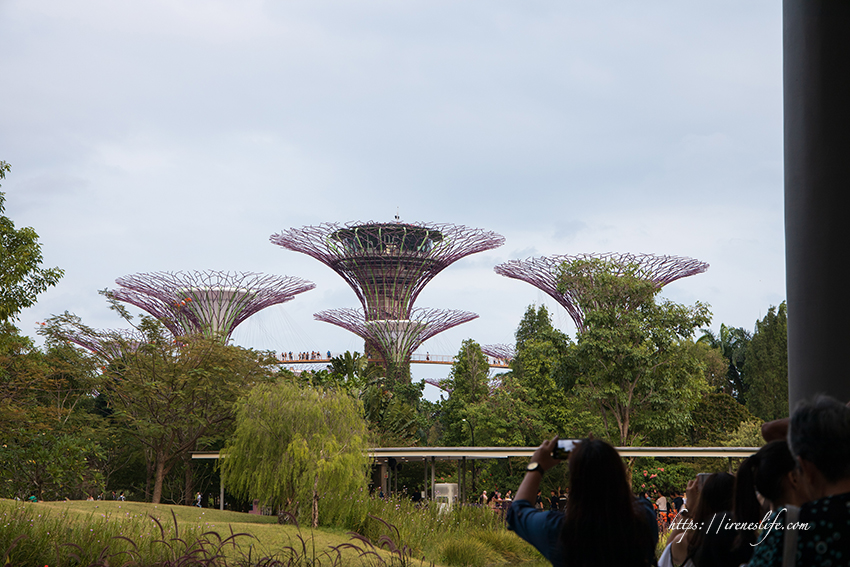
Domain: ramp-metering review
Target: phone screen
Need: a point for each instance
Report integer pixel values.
(562, 451)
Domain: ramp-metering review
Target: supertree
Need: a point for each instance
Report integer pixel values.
(109, 344)
(387, 264)
(209, 303)
(396, 339)
(544, 273)
(501, 351)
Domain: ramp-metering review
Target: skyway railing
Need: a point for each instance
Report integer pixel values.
(414, 359)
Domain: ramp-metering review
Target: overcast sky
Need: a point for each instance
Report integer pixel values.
(179, 135)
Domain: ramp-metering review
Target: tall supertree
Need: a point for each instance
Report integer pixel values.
(544, 273)
(387, 264)
(209, 303)
(396, 339)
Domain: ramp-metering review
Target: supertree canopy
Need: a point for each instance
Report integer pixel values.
(109, 344)
(396, 339)
(209, 303)
(544, 272)
(387, 264)
(501, 351)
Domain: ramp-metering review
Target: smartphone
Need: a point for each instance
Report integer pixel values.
(701, 478)
(562, 451)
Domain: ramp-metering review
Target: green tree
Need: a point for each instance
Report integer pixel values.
(21, 276)
(766, 369)
(716, 414)
(535, 323)
(50, 436)
(469, 386)
(390, 411)
(732, 342)
(747, 434)
(293, 446)
(716, 366)
(633, 360)
(173, 395)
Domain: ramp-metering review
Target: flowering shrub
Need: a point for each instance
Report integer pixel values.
(654, 478)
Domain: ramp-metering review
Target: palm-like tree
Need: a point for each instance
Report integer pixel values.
(732, 343)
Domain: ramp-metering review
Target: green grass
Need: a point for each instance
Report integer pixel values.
(93, 527)
(466, 536)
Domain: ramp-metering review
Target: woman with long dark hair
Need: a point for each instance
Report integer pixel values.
(603, 524)
(772, 473)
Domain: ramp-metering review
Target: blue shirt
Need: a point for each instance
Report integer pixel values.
(542, 529)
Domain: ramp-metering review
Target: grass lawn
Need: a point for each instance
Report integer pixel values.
(267, 537)
(450, 540)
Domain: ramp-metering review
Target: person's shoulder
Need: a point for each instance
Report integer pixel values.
(837, 506)
(769, 543)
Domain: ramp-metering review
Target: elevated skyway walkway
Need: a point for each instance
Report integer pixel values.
(309, 358)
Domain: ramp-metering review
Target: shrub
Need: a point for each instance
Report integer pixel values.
(468, 552)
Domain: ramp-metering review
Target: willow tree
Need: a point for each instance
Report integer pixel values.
(295, 445)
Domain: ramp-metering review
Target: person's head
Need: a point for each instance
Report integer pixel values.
(715, 496)
(773, 473)
(819, 437)
(601, 526)
(596, 469)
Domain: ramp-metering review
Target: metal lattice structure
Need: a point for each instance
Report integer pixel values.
(543, 273)
(501, 351)
(109, 344)
(209, 303)
(396, 339)
(387, 264)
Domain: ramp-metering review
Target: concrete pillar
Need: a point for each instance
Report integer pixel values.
(433, 476)
(816, 45)
(221, 495)
(463, 490)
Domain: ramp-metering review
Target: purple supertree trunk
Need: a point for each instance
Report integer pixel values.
(387, 264)
(209, 303)
(543, 273)
(396, 339)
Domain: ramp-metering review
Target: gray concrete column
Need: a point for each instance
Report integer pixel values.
(433, 477)
(816, 44)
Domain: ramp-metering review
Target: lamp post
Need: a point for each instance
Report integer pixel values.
(472, 432)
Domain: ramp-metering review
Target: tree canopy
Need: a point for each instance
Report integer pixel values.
(293, 446)
(766, 368)
(632, 361)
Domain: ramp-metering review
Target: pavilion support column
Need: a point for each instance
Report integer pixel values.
(433, 478)
(459, 483)
(463, 490)
(425, 482)
(816, 45)
(221, 495)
